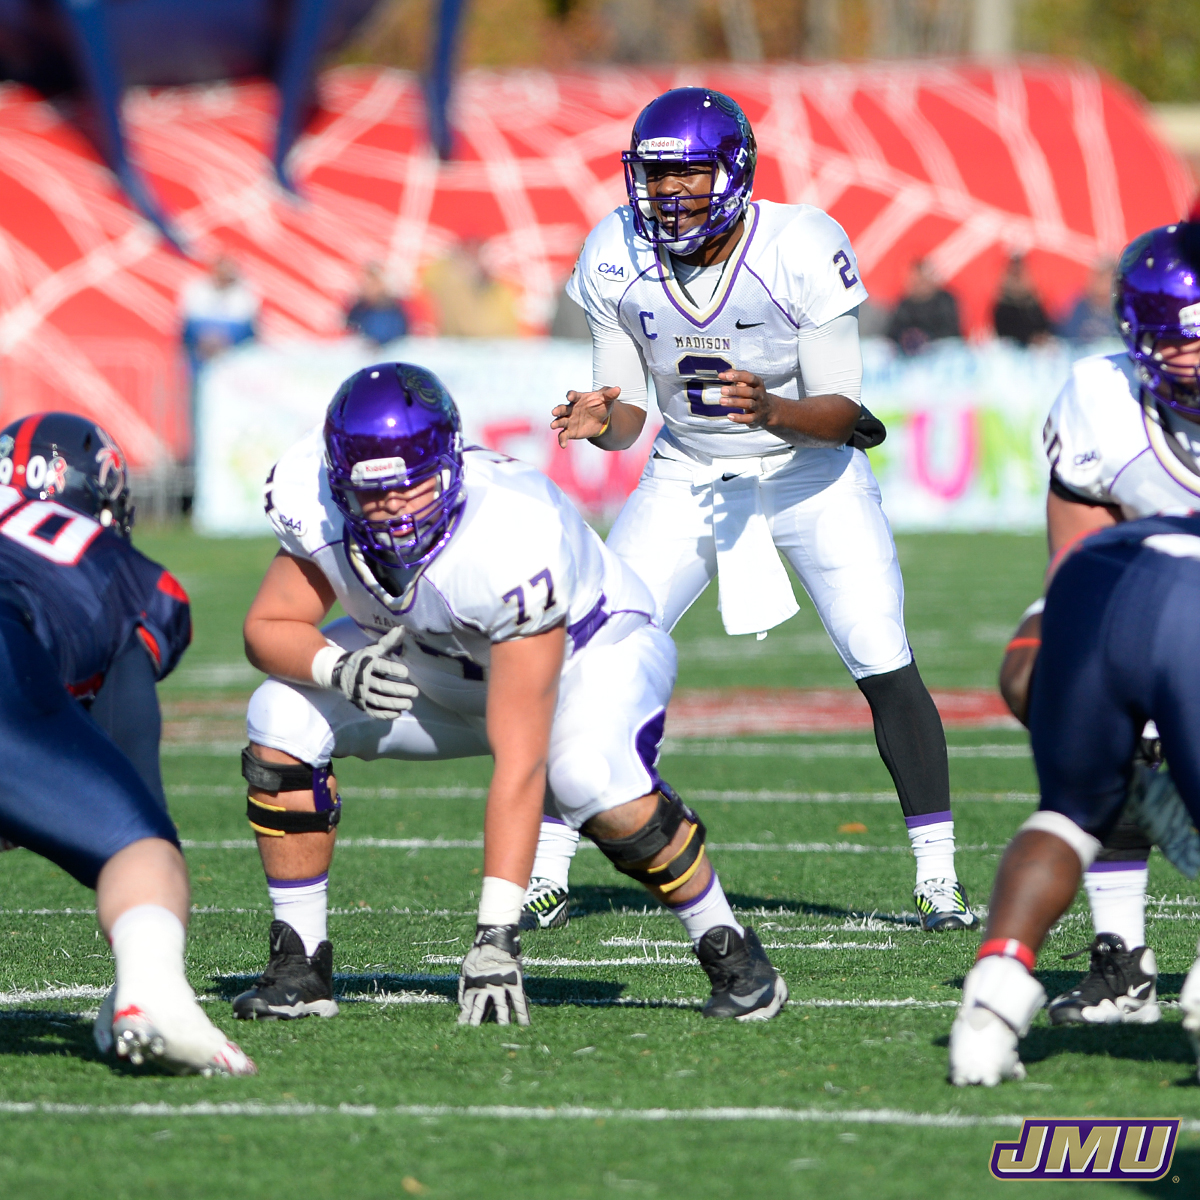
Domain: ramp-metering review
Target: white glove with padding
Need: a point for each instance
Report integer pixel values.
(491, 983)
(369, 678)
(1000, 999)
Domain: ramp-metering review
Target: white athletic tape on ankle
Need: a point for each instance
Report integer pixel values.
(500, 901)
(1084, 845)
(1003, 986)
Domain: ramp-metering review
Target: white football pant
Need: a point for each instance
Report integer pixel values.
(824, 514)
(603, 745)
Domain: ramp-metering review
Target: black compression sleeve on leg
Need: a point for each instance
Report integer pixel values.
(1125, 843)
(911, 741)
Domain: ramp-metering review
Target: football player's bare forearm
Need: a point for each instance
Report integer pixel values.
(1067, 521)
(283, 648)
(830, 419)
(624, 427)
(513, 819)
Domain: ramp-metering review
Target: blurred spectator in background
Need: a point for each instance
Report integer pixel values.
(926, 312)
(219, 311)
(873, 320)
(1091, 318)
(470, 303)
(1018, 313)
(376, 314)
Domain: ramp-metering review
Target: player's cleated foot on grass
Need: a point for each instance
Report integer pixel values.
(1000, 1000)
(293, 985)
(942, 906)
(176, 1034)
(545, 906)
(744, 984)
(1120, 987)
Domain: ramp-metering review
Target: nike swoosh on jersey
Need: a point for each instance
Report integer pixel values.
(748, 324)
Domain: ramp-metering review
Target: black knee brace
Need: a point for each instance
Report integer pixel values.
(273, 821)
(1125, 843)
(652, 839)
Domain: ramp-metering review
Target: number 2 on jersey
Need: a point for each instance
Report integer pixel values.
(701, 371)
(842, 261)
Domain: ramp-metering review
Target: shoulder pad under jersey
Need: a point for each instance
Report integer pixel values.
(298, 501)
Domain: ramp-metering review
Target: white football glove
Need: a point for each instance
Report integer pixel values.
(1000, 1000)
(369, 678)
(490, 983)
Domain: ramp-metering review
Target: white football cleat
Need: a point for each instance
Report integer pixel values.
(179, 1035)
(1000, 999)
(102, 1033)
(1189, 1002)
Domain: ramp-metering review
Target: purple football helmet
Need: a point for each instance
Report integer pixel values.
(1156, 296)
(389, 428)
(695, 126)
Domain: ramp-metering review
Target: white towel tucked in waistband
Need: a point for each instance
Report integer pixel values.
(755, 591)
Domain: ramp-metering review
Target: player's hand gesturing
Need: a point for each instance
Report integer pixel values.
(745, 391)
(585, 414)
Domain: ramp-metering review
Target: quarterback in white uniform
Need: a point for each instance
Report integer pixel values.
(1118, 450)
(745, 315)
(484, 617)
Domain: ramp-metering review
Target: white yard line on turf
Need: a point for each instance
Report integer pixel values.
(512, 1112)
(764, 796)
(369, 843)
(722, 748)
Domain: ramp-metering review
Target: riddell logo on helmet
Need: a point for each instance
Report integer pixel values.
(662, 145)
(1136, 1148)
(1190, 315)
(372, 470)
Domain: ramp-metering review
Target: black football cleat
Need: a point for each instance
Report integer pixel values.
(942, 906)
(1121, 987)
(744, 984)
(545, 906)
(293, 985)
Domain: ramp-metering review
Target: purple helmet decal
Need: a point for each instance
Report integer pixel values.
(389, 428)
(696, 126)
(1156, 297)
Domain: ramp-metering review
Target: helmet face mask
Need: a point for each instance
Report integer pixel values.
(1156, 299)
(693, 128)
(72, 461)
(391, 428)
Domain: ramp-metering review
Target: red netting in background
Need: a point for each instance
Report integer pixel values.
(958, 163)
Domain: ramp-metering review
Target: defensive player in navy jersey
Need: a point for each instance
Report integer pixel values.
(76, 601)
(1119, 648)
(745, 313)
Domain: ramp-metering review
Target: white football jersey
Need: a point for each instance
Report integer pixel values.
(793, 270)
(520, 561)
(1106, 446)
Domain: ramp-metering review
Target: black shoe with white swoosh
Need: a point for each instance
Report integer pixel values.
(744, 984)
(293, 985)
(1121, 988)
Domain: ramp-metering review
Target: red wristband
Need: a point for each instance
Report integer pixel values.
(1008, 948)
(1017, 643)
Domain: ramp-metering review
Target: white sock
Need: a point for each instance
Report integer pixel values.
(706, 911)
(147, 942)
(557, 843)
(932, 837)
(302, 903)
(1117, 895)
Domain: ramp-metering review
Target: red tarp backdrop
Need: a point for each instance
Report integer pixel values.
(960, 163)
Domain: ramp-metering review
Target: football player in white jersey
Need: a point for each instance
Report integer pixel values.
(1123, 441)
(745, 314)
(484, 616)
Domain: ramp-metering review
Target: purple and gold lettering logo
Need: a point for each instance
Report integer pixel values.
(1138, 1148)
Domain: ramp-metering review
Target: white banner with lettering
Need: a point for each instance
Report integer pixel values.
(964, 423)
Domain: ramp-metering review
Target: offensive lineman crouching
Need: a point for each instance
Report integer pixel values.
(1119, 646)
(507, 628)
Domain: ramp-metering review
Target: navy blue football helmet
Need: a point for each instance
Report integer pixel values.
(63, 457)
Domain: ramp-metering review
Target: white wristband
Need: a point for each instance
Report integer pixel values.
(323, 663)
(1032, 611)
(500, 901)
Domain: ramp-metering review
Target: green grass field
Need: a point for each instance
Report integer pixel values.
(618, 1087)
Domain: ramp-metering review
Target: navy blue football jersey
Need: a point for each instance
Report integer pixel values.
(85, 591)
